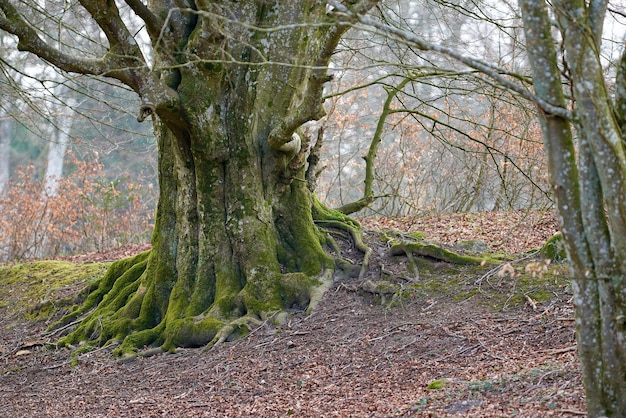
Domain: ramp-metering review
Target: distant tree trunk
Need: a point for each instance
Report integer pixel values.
(57, 148)
(5, 149)
(590, 190)
(235, 240)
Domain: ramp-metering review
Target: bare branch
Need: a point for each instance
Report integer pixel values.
(311, 105)
(412, 39)
(29, 41)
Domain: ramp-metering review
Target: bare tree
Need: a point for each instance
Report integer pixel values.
(58, 145)
(588, 171)
(5, 148)
(448, 140)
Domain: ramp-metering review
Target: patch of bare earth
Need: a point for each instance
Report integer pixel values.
(429, 355)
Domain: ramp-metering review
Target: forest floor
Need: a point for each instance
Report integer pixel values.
(465, 341)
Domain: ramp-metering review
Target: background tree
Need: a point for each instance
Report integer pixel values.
(229, 84)
(48, 112)
(5, 147)
(446, 126)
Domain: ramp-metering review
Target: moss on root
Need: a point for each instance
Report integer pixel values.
(299, 235)
(142, 305)
(112, 294)
(112, 314)
(436, 252)
(333, 219)
(554, 248)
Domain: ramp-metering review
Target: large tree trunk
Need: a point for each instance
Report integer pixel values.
(234, 242)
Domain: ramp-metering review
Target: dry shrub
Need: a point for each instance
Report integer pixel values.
(85, 213)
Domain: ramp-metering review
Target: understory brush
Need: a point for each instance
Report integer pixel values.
(85, 212)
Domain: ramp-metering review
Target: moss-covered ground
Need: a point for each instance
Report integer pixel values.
(37, 289)
(408, 267)
(405, 267)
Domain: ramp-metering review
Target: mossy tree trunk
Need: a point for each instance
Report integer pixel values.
(234, 240)
(589, 182)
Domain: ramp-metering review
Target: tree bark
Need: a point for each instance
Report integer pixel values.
(590, 196)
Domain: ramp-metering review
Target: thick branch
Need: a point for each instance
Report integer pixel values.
(558, 141)
(597, 13)
(311, 106)
(107, 16)
(124, 60)
(620, 93)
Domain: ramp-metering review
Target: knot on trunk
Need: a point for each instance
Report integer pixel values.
(292, 147)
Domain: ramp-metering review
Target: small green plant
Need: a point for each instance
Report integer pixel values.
(436, 384)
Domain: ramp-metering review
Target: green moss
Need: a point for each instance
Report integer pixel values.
(535, 283)
(42, 310)
(300, 241)
(227, 305)
(191, 332)
(321, 212)
(436, 384)
(119, 274)
(261, 306)
(554, 248)
(434, 284)
(142, 303)
(510, 292)
(295, 290)
(108, 322)
(417, 235)
(27, 285)
(437, 252)
(465, 295)
(541, 295)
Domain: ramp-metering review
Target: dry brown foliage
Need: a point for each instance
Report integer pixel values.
(85, 213)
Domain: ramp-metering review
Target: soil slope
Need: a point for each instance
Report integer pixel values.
(454, 341)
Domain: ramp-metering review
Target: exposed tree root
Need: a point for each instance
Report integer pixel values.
(330, 218)
(109, 317)
(143, 304)
(436, 252)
